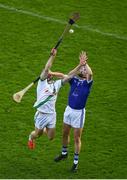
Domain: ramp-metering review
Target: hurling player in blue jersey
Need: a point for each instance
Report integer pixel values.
(74, 115)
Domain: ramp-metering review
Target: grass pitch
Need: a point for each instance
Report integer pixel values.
(28, 30)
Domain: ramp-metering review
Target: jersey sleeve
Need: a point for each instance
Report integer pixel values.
(90, 82)
(58, 85)
(71, 81)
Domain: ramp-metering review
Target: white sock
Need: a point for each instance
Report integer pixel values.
(75, 161)
(64, 150)
(30, 137)
(76, 157)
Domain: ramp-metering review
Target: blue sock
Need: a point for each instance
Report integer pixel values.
(76, 158)
(64, 150)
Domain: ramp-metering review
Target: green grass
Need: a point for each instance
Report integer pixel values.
(25, 43)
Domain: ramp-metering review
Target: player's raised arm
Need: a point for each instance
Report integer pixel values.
(57, 74)
(89, 73)
(83, 57)
(48, 65)
(73, 72)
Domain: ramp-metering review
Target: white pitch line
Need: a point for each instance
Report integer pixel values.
(32, 14)
(116, 36)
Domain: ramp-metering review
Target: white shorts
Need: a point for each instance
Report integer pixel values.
(45, 120)
(73, 117)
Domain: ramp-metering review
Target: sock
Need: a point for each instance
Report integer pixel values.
(76, 157)
(64, 150)
(30, 137)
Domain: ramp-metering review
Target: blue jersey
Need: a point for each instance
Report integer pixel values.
(79, 92)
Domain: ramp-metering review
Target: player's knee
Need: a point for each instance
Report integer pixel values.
(38, 133)
(65, 133)
(77, 140)
(65, 136)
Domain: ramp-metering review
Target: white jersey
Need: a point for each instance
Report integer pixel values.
(47, 95)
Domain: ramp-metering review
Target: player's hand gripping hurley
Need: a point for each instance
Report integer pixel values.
(17, 97)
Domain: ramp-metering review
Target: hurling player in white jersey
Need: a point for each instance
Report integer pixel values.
(47, 90)
(74, 116)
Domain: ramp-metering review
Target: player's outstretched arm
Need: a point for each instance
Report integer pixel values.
(89, 72)
(48, 65)
(83, 57)
(73, 72)
(57, 74)
(83, 60)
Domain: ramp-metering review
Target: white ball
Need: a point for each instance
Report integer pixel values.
(71, 31)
